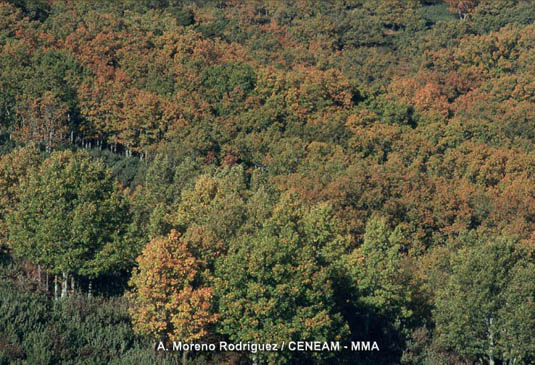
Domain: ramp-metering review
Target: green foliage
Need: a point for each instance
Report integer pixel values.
(34, 9)
(436, 12)
(14, 169)
(482, 310)
(493, 15)
(215, 204)
(36, 330)
(278, 283)
(71, 217)
(206, 113)
(226, 78)
(228, 81)
(123, 168)
(378, 270)
(392, 303)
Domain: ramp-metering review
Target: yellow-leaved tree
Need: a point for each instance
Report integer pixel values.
(170, 303)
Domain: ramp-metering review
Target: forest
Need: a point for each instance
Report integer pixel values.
(267, 171)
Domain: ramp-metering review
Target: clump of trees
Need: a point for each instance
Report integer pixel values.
(70, 219)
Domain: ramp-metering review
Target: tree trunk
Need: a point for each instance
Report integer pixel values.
(39, 274)
(46, 278)
(491, 341)
(72, 284)
(184, 357)
(90, 289)
(56, 287)
(64, 285)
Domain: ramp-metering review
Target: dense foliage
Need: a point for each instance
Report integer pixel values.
(267, 171)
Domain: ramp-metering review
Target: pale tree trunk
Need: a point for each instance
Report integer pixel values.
(49, 143)
(39, 274)
(64, 285)
(491, 342)
(90, 289)
(46, 279)
(72, 284)
(184, 357)
(56, 287)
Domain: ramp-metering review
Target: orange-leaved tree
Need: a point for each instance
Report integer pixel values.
(170, 303)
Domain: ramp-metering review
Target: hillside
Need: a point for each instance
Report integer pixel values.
(267, 172)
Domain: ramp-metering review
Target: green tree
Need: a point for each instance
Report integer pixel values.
(70, 218)
(214, 205)
(14, 168)
(484, 311)
(386, 294)
(278, 283)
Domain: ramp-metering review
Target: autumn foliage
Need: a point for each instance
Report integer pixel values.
(281, 170)
(169, 303)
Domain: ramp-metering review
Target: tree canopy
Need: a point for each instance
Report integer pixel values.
(271, 171)
(71, 217)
